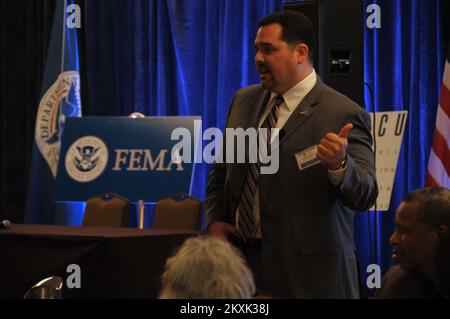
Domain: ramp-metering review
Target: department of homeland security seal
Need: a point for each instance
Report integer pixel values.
(86, 159)
(61, 100)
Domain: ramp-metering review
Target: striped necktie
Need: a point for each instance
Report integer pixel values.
(246, 219)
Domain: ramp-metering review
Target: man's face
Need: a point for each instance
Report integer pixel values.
(276, 61)
(413, 241)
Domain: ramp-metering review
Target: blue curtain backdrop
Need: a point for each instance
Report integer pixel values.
(169, 57)
(403, 63)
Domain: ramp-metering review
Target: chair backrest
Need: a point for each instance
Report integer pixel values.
(179, 211)
(48, 288)
(107, 210)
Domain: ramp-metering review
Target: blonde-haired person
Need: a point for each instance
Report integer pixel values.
(207, 267)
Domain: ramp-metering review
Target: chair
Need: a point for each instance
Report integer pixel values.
(180, 211)
(107, 210)
(48, 288)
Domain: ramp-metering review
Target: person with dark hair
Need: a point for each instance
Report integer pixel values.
(421, 219)
(295, 225)
(296, 28)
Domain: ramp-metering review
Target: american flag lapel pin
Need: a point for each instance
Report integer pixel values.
(303, 112)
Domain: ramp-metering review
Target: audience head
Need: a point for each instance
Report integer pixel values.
(207, 267)
(421, 219)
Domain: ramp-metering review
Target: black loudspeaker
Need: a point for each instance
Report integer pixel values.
(339, 26)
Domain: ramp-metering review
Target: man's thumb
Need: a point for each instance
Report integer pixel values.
(345, 130)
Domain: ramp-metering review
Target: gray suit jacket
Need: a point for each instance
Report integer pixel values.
(306, 221)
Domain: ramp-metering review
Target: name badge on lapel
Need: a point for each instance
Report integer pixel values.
(307, 158)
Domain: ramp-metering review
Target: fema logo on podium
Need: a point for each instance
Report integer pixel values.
(86, 159)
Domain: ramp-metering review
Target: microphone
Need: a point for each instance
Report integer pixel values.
(5, 224)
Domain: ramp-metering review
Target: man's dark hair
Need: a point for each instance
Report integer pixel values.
(296, 28)
(433, 205)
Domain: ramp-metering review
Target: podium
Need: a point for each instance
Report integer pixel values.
(135, 158)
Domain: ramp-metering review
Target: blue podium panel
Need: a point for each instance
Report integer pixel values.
(129, 157)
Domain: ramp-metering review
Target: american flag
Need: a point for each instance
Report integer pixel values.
(439, 161)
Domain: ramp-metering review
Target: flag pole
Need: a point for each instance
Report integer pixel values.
(63, 37)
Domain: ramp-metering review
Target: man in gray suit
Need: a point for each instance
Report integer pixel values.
(296, 224)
